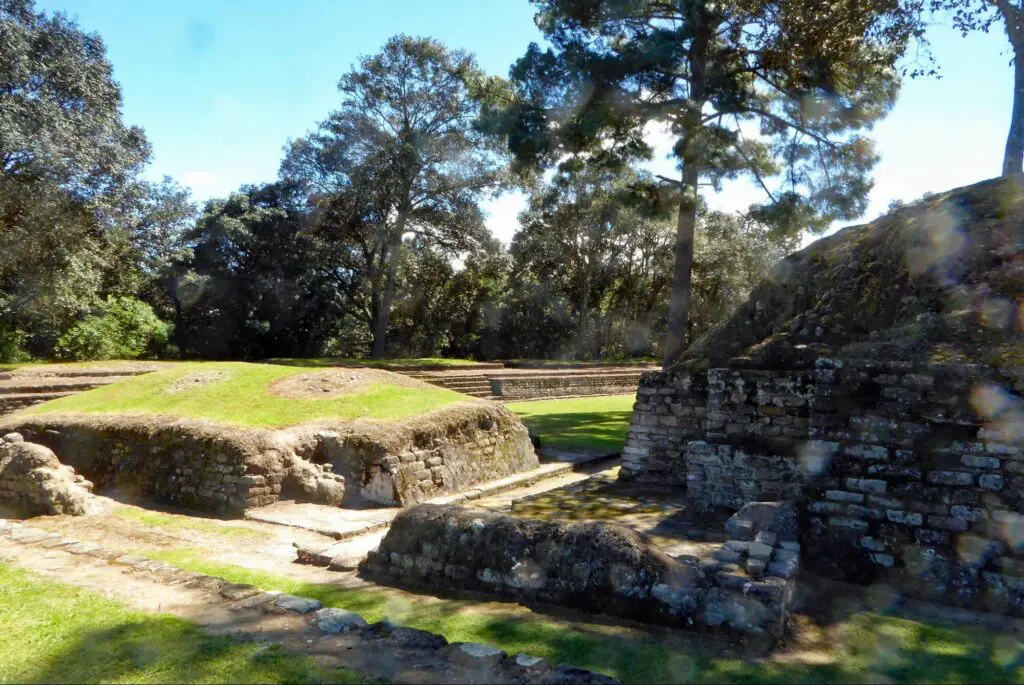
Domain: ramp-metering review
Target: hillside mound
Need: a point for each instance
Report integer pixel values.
(937, 281)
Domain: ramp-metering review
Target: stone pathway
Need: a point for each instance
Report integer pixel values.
(334, 637)
(346, 554)
(343, 524)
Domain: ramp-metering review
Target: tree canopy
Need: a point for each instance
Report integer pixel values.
(780, 91)
(406, 125)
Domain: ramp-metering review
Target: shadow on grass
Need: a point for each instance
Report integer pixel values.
(59, 634)
(598, 431)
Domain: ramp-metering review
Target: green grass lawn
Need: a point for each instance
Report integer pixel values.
(350, 361)
(242, 397)
(872, 648)
(54, 633)
(595, 424)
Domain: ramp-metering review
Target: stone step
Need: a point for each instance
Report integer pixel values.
(459, 385)
(48, 373)
(29, 398)
(58, 384)
(323, 555)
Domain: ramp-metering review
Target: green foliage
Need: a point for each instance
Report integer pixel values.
(401, 157)
(811, 76)
(592, 267)
(58, 634)
(239, 394)
(258, 281)
(122, 328)
(76, 222)
(12, 346)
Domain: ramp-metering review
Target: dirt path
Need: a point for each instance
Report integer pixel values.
(401, 655)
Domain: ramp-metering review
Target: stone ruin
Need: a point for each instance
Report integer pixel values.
(225, 470)
(874, 379)
(599, 567)
(863, 405)
(33, 482)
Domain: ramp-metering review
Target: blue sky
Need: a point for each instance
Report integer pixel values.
(220, 85)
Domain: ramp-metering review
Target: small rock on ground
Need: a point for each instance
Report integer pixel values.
(299, 605)
(338, 620)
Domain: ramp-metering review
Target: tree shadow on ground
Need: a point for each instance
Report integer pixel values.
(869, 647)
(599, 431)
(60, 634)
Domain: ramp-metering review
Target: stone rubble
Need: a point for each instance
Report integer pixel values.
(34, 482)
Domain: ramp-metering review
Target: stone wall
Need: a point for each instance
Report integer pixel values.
(911, 474)
(563, 384)
(425, 462)
(192, 465)
(224, 469)
(597, 567)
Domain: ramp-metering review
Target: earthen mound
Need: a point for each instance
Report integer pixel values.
(939, 281)
(337, 382)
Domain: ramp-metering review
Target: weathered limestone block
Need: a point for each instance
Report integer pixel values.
(34, 482)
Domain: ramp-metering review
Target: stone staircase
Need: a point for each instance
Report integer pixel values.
(514, 384)
(28, 386)
(476, 385)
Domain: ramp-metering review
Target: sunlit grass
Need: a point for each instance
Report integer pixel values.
(242, 397)
(55, 633)
(581, 423)
(351, 361)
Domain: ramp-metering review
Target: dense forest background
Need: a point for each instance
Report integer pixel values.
(371, 241)
(96, 262)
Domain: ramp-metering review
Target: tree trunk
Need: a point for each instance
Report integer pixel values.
(1013, 158)
(380, 329)
(581, 321)
(679, 306)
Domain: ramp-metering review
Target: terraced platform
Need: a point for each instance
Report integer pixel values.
(514, 384)
(27, 386)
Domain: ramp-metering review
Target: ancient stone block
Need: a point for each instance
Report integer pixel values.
(951, 478)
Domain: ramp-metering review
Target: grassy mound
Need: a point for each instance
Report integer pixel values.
(242, 394)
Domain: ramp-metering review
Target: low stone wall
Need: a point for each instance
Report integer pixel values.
(911, 474)
(193, 465)
(441, 453)
(226, 470)
(561, 385)
(597, 567)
